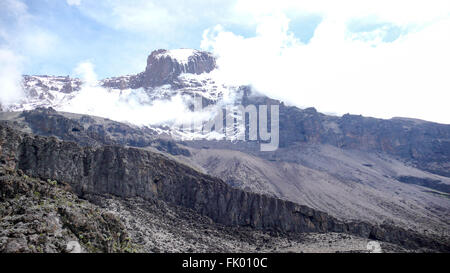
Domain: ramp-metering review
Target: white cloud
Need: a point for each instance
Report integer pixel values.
(10, 78)
(168, 17)
(73, 2)
(85, 70)
(173, 15)
(398, 12)
(14, 7)
(341, 71)
(133, 106)
(22, 34)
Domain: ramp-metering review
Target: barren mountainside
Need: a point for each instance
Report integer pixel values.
(339, 176)
(130, 172)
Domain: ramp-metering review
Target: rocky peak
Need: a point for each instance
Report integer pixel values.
(164, 66)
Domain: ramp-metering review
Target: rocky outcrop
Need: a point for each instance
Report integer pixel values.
(45, 90)
(425, 144)
(129, 172)
(88, 131)
(42, 216)
(123, 82)
(425, 182)
(164, 67)
(39, 86)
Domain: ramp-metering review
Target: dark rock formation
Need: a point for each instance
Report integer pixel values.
(129, 172)
(123, 82)
(42, 216)
(425, 182)
(163, 69)
(88, 131)
(425, 144)
(45, 83)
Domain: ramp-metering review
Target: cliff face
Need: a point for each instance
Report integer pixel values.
(42, 216)
(426, 144)
(164, 66)
(129, 172)
(133, 172)
(89, 131)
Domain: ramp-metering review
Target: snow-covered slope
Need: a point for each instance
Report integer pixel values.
(170, 75)
(46, 91)
(181, 55)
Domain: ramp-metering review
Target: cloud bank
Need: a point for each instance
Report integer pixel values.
(376, 58)
(73, 2)
(131, 105)
(341, 70)
(10, 78)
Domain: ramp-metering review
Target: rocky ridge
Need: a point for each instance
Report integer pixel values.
(164, 67)
(348, 184)
(92, 131)
(130, 172)
(44, 216)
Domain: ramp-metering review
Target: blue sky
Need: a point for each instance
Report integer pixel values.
(71, 36)
(377, 58)
(74, 31)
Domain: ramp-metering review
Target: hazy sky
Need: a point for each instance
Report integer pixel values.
(376, 58)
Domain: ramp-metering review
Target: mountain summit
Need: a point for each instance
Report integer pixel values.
(164, 66)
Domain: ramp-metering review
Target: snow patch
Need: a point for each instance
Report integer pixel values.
(180, 55)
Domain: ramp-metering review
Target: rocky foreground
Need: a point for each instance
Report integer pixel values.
(162, 206)
(45, 216)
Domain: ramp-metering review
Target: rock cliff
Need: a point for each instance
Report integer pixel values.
(164, 67)
(131, 172)
(425, 144)
(42, 216)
